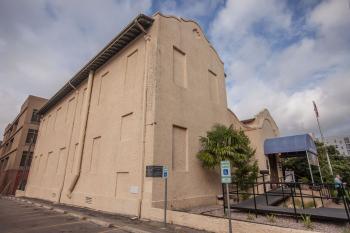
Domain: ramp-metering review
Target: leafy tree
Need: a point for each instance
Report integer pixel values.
(226, 143)
(340, 165)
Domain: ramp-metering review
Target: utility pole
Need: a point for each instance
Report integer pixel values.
(322, 138)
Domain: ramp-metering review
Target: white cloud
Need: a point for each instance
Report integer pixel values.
(286, 78)
(43, 43)
(238, 18)
(271, 60)
(191, 9)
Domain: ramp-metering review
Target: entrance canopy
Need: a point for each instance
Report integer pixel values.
(294, 146)
(290, 145)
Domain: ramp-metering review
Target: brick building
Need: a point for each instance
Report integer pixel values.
(18, 144)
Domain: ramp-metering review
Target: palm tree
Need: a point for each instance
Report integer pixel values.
(226, 143)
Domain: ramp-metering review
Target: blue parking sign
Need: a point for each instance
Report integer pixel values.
(225, 172)
(165, 172)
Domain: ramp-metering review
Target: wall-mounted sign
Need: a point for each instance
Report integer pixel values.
(154, 171)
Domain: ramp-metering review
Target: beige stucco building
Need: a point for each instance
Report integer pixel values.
(143, 100)
(18, 145)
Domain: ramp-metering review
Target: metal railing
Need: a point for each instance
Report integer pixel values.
(289, 190)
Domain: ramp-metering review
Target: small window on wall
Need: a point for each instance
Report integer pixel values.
(35, 116)
(24, 158)
(31, 136)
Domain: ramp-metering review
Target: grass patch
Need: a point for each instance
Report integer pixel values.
(271, 218)
(307, 222)
(250, 216)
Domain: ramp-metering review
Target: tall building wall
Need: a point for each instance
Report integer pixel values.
(149, 105)
(110, 174)
(191, 98)
(341, 143)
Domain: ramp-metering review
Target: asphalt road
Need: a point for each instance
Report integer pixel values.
(18, 217)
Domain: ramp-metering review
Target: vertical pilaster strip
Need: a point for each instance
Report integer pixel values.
(82, 134)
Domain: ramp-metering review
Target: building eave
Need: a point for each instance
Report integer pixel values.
(128, 34)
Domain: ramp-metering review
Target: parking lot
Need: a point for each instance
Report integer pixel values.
(17, 217)
(21, 215)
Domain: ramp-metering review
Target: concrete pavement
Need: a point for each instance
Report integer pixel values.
(27, 216)
(18, 217)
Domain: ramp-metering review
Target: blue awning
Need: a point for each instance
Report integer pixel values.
(290, 144)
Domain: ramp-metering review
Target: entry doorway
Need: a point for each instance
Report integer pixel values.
(273, 168)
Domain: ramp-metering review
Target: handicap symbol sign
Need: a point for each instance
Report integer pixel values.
(225, 172)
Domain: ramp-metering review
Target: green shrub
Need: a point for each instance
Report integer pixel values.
(271, 218)
(333, 193)
(244, 196)
(307, 221)
(227, 143)
(304, 180)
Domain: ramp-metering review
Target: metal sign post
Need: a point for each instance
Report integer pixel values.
(226, 179)
(165, 177)
(157, 171)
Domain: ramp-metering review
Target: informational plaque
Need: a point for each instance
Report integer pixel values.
(154, 171)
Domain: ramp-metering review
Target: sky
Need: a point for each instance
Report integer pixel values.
(278, 54)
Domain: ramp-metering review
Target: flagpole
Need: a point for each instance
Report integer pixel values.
(322, 138)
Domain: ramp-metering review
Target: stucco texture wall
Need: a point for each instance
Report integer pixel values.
(110, 168)
(190, 99)
(149, 105)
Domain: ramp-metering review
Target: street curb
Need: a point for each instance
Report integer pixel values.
(38, 204)
(59, 210)
(47, 207)
(77, 215)
(100, 222)
(133, 230)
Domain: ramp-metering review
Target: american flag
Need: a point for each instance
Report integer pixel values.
(315, 108)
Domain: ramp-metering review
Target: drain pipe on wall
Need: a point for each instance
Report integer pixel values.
(82, 134)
